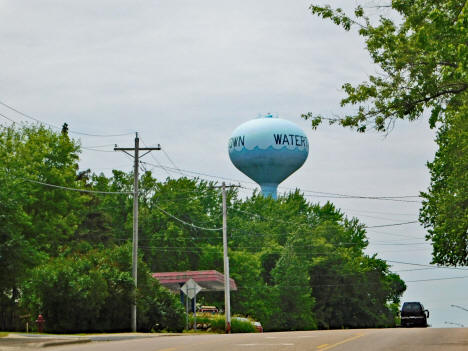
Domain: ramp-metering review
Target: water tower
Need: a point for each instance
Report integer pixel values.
(268, 150)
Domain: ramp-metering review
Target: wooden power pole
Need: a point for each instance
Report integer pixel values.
(227, 287)
(136, 156)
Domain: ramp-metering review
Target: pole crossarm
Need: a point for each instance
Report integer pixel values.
(136, 163)
(140, 148)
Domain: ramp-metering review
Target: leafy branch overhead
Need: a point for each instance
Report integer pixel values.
(423, 58)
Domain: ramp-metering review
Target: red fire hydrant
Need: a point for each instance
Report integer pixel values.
(40, 321)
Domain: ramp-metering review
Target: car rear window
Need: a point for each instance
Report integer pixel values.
(412, 307)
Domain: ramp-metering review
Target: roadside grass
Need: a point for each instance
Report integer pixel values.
(3, 334)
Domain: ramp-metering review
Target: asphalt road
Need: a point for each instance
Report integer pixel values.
(413, 339)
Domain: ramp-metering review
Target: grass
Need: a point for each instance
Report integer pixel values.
(3, 334)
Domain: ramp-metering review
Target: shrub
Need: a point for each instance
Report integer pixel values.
(216, 323)
(92, 292)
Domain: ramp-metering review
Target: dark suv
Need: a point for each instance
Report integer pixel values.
(414, 314)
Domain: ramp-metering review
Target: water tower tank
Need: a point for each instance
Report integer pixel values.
(268, 150)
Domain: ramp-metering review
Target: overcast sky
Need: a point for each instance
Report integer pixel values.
(185, 74)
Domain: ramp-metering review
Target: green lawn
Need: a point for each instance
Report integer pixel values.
(3, 334)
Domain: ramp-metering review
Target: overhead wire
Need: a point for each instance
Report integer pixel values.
(365, 227)
(198, 173)
(8, 118)
(354, 284)
(155, 159)
(75, 189)
(58, 127)
(425, 265)
(98, 146)
(305, 191)
(391, 224)
(186, 223)
(67, 188)
(165, 212)
(435, 279)
(371, 230)
(378, 212)
(172, 162)
(97, 150)
(361, 196)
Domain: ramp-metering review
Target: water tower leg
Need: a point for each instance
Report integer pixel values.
(269, 189)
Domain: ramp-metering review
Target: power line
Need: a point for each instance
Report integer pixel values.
(394, 234)
(97, 146)
(190, 224)
(186, 223)
(354, 284)
(75, 189)
(390, 225)
(250, 234)
(320, 193)
(155, 159)
(176, 170)
(338, 196)
(362, 196)
(172, 162)
(426, 265)
(364, 227)
(398, 244)
(58, 127)
(375, 217)
(8, 118)
(97, 150)
(69, 188)
(379, 212)
(435, 279)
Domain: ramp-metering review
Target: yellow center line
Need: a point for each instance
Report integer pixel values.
(340, 343)
(321, 346)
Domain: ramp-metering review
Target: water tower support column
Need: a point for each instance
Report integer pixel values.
(269, 189)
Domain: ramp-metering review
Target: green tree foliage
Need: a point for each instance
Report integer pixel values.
(92, 292)
(445, 204)
(295, 299)
(297, 265)
(34, 221)
(423, 57)
(50, 215)
(423, 61)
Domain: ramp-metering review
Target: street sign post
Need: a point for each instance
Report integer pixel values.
(191, 289)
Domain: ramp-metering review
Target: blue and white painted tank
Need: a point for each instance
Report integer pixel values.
(268, 150)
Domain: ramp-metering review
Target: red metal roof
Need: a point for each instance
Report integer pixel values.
(209, 280)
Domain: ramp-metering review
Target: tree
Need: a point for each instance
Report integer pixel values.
(445, 205)
(295, 299)
(423, 57)
(93, 292)
(67, 254)
(33, 155)
(34, 220)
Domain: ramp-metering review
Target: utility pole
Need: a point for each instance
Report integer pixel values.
(227, 288)
(136, 163)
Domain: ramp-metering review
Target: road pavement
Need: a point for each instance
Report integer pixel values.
(413, 339)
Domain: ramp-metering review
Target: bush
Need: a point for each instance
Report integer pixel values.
(216, 323)
(241, 326)
(92, 292)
